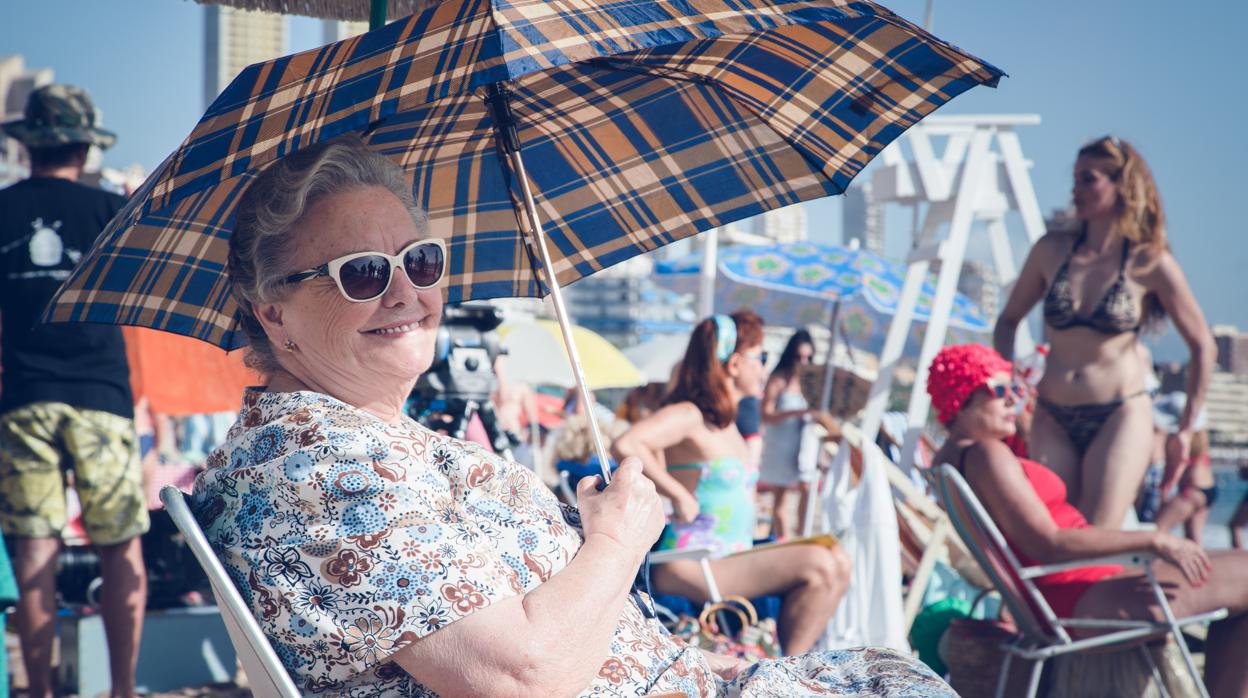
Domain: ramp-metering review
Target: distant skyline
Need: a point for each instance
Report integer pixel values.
(1164, 79)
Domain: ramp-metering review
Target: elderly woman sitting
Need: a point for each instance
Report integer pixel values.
(384, 559)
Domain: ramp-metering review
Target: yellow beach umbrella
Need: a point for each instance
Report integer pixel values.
(535, 352)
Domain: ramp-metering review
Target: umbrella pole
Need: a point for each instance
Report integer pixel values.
(376, 14)
(509, 139)
(814, 498)
(825, 398)
(706, 279)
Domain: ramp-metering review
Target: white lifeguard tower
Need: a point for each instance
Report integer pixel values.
(980, 177)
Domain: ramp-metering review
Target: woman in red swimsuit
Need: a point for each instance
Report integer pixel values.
(972, 392)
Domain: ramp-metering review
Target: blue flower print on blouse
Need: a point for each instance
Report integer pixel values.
(301, 627)
(401, 581)
(353, 480)
(286, 564)
(427, 532)
(240, 458)
(299, 466)
(255, 511)
(268, 444)
(362, 518)
(316, 598)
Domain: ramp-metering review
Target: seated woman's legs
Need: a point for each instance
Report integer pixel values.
(1130, 596)
(1114, 464)
(812, 579)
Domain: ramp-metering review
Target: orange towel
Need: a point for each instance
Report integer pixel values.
(181, 376)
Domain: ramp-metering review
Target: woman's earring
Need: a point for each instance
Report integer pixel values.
(289, 345)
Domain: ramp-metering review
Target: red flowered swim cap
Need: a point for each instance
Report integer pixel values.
(959, 371)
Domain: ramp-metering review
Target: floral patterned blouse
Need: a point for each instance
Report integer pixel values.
(350, 538)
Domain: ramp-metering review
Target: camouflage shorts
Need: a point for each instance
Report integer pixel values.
(40, 442)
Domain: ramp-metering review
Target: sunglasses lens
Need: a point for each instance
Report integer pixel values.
(365, 278)
(424, 264)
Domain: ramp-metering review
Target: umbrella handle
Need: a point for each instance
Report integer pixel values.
(505, 132)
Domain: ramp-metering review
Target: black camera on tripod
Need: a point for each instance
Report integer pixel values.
(464, 353)
(461, 379)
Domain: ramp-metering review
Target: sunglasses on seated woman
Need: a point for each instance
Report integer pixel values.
(365, 276)
(1000, 390)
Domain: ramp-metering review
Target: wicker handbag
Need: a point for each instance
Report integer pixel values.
(756, 639)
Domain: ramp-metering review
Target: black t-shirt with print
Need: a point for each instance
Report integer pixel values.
(46, 226)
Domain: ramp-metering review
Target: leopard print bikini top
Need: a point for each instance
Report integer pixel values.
(1117, 312)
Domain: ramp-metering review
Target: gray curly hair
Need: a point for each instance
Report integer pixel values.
(261, 243)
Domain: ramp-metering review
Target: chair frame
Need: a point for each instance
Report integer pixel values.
(1041, 634)
(265, 672)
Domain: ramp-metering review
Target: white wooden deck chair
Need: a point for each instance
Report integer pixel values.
(265, 672)
(1041, 634)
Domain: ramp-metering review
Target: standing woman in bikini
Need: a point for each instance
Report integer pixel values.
(1101, 286)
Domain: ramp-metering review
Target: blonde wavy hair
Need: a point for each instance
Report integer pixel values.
(1141, 217)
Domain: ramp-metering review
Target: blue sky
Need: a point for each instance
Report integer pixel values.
(1158, 74)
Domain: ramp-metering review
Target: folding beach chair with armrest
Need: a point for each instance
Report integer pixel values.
(265, 672)
(1041, 634)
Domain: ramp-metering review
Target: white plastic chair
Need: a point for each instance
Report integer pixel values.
(265, 672)
(1042, 635)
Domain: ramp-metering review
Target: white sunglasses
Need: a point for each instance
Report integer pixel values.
(365, 276)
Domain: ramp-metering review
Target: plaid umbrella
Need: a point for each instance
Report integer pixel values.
(650, 121)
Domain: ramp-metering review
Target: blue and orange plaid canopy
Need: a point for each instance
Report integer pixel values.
(643, 122)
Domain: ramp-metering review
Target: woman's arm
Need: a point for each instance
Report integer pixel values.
(1168, 282)
(648, 439)
(552, 640)
(771, 398)
(1029, 288)
(998, 479)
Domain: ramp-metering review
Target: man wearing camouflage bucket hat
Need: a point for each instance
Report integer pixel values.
(65, 398)
(59, 115)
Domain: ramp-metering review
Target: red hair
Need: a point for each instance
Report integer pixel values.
(957, 372)
(702, 378)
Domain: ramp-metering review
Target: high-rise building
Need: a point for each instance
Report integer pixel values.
(623, 304)
(786, 224)
(862, 218)
(1227, 406)
(16, 84)
(1061, 220)
(235, 39)
(1232, 348)
(335, 30)
(978, 282)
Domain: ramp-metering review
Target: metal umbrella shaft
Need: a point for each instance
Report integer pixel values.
(825, 402)
(376, 14)
(508, 138)
(825, 397)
